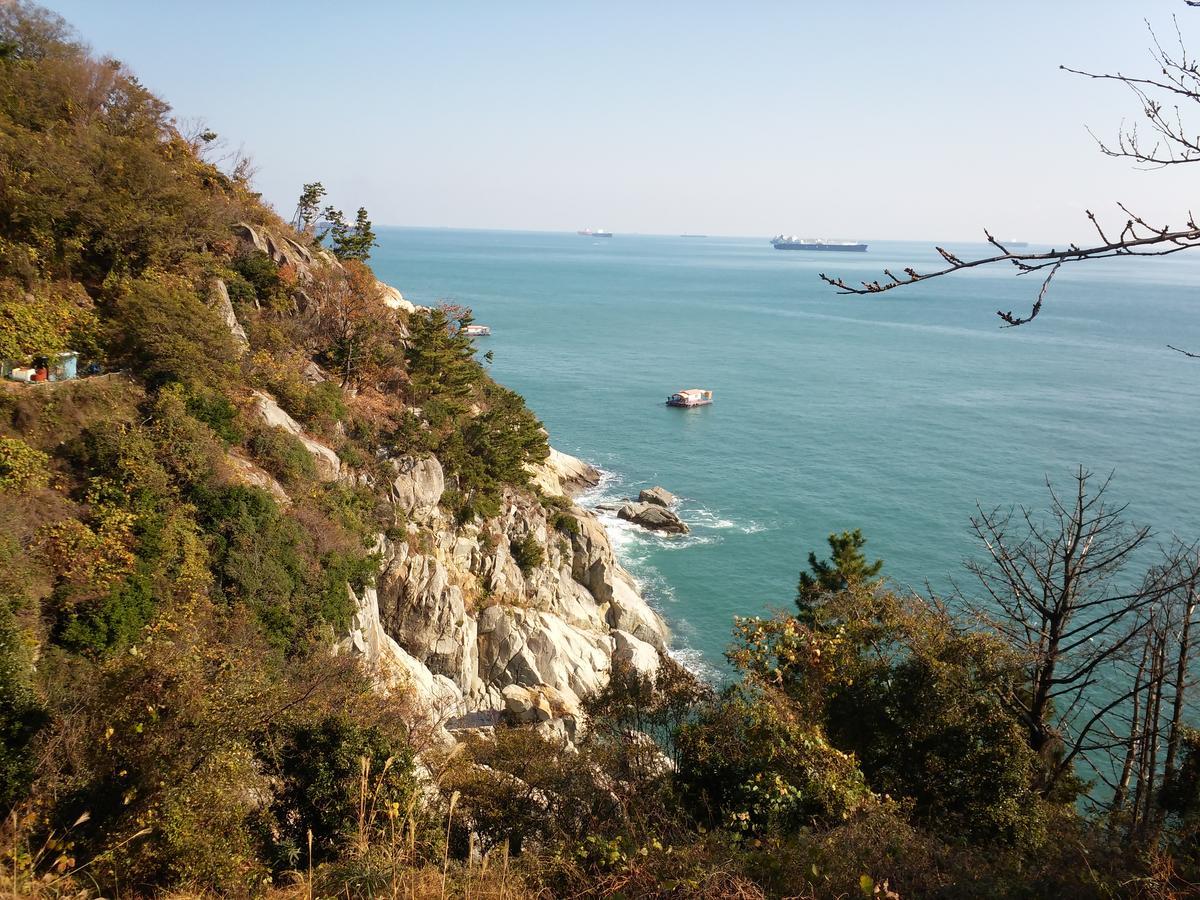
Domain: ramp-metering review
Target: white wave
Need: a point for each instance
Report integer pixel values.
(694, 662)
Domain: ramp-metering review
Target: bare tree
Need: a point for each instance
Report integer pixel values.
(1155, 720)
(1059, 591)
(1169, 142)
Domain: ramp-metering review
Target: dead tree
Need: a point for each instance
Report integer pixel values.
(1170, 142)
(1059, 591)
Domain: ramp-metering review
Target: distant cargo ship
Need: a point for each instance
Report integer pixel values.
(694, 235)
(599, 232)
(791, 242)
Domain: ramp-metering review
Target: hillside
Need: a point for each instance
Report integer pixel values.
(295, 600)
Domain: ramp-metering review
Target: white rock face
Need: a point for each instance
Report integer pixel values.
(393, 669)
(218, 299)
(329, 467)
(635, 653)
(563, 475)
(243, 471)
(418, 486)
(393, 299)
(523, 644)
(527, 647)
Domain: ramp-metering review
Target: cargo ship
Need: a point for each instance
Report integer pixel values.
(791, 242)
(599, 232)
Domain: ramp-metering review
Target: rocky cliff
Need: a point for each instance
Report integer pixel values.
(454, 616)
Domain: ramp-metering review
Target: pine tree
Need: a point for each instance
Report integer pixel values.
(846, 566)
(306, 206)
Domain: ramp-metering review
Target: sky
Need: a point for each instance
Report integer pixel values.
(864, 120)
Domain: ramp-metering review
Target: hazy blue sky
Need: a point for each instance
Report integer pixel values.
(869, 119)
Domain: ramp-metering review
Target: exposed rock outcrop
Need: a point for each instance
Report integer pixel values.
(653, 517)
(563, 475)
(243, 471)
(218, 299)
(659, 496)
(418, 486)
(393, 299)
(527, 644)
(328, 466)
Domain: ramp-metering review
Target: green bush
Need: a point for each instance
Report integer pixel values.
(527, 553)
(258, 272)
(164, 332)
(21, 466)
(114, 620)
(320, 766)
(22, 717)
(565, 522)
(282, 453)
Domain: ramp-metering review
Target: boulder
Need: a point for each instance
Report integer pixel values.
(537, 703)
(392, 668)
(636, 654)
(653, 517)
(418, 486)
(392, 298)
(426, 613)
(658, 496)
(243, 471)
(530, 647)
(218, 299)
(563, 475)
(312, 373)
(628, 611)
(329, 467)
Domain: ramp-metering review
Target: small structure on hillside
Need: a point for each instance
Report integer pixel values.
(62, 366)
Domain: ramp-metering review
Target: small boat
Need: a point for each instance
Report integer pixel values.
(477, 331)
(690, 397)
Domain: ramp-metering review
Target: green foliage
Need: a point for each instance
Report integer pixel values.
(258, 271)
(349, 241)
(48, 318)
(752, 762)
(164, 332)
(442, 371)
(282, 454)
(22, 717)
(565, 522)
(262, 559)
(527, 553)
(115, 620)
(98, 183)
(21, 466)
(328, 768)
(846, 566)
(308, 204)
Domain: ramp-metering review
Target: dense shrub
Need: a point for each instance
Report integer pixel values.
(21, 715)
(338, 776)
(21, 466)
(527, 553)
(281, 453)
(164, 332)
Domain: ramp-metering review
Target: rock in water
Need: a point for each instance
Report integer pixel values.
(659, 496)
(656, 518)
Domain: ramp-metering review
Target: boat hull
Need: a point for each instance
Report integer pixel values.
(685, 404)
(841, 248)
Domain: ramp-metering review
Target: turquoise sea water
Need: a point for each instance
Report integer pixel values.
(895, 414)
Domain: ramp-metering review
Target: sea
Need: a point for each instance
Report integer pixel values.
(899, 414)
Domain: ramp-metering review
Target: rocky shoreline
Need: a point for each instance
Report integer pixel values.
(471, 630)
(456, 622)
